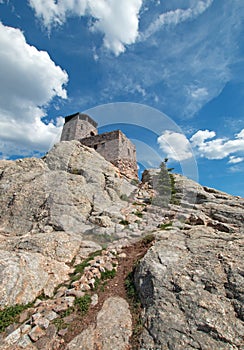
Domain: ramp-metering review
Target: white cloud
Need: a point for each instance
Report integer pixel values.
(240, 135)
(235, 160)
(198, 93)
(175, 145)
(184, 63)
(175, 17)
(29, 81)
(200, 136)
(117, 20)
(218, 148)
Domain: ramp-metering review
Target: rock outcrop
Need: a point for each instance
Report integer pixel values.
(191, 282)
(60, 192)
(112, 331)
(50, 208)
(57, 210)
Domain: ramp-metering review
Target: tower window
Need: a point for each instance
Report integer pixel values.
(92, 133)
(81, 127)
(128, 152)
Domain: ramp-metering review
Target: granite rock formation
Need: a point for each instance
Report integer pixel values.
(57, 210)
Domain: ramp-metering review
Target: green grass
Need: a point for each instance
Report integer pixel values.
(165, 226)
(59, 323)
(139, 203)
(135, 307)
(138, 213)
(134, 182)
(148, 238)
(105, 275)
(79, 269)
(10, 315)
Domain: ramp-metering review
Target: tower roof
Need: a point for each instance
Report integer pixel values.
(81, 116)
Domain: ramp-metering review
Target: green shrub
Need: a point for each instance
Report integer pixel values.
(124, 197)
(124, 222)
(138, 213)
(83, 303)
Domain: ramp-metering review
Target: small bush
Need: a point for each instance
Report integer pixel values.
(124, 197)
(138, 213)
(83, 303)
(124, 222)
(147, 200)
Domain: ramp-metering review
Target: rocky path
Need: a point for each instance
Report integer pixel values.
(89, 311)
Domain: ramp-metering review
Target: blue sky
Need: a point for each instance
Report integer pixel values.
(169, 73)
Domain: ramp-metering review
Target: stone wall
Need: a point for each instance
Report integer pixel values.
(78, 126)
(115, 147)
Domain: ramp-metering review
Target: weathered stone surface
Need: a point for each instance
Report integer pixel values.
(148, 175)
(46, 205)
(24, 275)
(59, 209)
(59, 192)
(191, 285)
(60, 246)
(112, 331)
(36, 333)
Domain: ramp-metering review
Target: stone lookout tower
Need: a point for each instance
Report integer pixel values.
(114, 146)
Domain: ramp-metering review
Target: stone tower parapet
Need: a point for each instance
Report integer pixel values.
(114, 146)
(78, 126)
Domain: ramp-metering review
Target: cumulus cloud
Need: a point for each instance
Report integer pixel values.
(218, 148)
(204, 144)
(200, 136)
(117, 20)
(175, 145)
(29, 81)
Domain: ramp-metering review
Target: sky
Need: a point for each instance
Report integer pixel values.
(168, 73)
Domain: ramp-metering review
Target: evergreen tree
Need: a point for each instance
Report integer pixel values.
(162, 186)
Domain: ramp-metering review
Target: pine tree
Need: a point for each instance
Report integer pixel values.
(162, 186)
